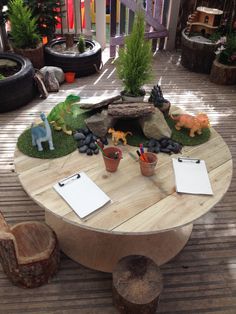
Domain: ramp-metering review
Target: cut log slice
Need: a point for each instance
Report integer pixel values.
(137, 284)
(130, 110)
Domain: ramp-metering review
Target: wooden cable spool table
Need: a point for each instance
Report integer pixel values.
(146, 216)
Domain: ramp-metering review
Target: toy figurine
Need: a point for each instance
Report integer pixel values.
(57, 115)
(195, 124)
(118, 135)
(42, 134)
(156, 97)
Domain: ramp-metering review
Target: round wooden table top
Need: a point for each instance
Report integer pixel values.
(140, 205)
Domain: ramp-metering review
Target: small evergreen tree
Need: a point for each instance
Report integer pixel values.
(134, 62)
(23, 25)
(81, 44)
(47, 13)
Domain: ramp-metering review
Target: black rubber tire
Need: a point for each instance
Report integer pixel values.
(17, 90)
(83, 64)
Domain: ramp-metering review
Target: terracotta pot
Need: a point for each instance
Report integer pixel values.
(112, 158)
(70, 77)
(148, 167)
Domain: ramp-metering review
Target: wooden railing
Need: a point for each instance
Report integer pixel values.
(161, 18)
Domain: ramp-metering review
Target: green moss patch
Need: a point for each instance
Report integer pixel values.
(64, 145)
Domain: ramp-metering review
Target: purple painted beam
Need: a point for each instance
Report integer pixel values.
(119, 40)
(149, 19)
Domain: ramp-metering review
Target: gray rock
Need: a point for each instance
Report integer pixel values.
(79, 136)
(51, 82)
(60, 76)
(155, 126)
(83, 149)
(99, 123)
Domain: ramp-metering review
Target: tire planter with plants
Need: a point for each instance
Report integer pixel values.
(82, 64)
(18, 89)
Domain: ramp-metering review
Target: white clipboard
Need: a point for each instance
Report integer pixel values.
(82, 194)
(191, 176)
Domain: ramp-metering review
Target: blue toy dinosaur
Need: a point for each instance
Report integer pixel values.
(41, 134)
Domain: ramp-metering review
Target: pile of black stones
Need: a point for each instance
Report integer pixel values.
(163, 145)
(86, 141)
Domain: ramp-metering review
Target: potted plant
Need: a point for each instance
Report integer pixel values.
(25, 39)
(223, 70)
(134, 61)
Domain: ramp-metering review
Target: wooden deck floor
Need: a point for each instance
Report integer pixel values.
(202, 278)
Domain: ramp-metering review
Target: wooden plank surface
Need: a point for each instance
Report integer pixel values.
(202, 278)
(139, 204)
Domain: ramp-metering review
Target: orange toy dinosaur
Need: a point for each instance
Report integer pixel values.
(118, 135)
(194, 123)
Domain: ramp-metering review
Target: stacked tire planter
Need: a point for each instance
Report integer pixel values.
(17, 90)
(82, 64)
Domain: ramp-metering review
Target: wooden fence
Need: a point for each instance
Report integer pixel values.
(161, 18)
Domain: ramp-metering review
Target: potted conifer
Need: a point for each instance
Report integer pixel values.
(26, 41)
(134, 61)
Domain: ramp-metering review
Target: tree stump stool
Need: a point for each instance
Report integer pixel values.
(137, 284)
(223, 74)
(29, 253)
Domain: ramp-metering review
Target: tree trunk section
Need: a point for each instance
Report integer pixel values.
(69, 40)
(223, 74)
(137, 284)
(130, 110)
(197, 56)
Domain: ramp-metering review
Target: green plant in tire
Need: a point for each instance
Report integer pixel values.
(2, 77)
(57, 115)
(81, 44)
(23, 25)
(134, 61)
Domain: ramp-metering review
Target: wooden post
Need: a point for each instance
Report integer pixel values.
(64, 19)
(122, 18)
(137, 284)
(87, 31)
(172, 24)
(101, 22)
(77, 16)
(113, 26)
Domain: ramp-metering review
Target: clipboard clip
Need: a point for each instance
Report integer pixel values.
(69, 179)
(186, 159)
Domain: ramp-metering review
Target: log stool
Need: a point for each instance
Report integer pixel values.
(137, 284)
(29, 253)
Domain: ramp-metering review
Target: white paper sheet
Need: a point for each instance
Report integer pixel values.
(191, 176)
(82, 194)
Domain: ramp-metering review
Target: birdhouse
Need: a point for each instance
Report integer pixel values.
(204, 20)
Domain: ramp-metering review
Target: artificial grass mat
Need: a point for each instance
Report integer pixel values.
(181, 136)
(63, 144)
